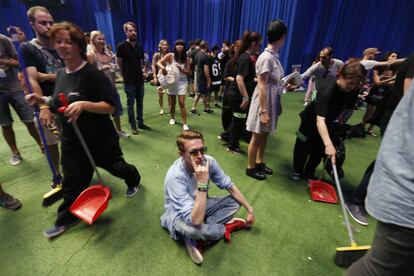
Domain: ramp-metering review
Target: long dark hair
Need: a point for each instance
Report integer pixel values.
(248, 39)
(180, 57)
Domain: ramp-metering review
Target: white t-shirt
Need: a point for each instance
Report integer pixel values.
(369, 64)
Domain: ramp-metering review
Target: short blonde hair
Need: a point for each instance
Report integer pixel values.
(188, 135)
(130, 24)
(33, 10)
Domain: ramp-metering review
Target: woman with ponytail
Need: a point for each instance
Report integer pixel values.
(240, 91)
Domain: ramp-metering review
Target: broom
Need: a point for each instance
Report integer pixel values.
(345, 256)
(55, 194)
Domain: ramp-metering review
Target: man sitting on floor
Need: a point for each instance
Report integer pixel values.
(189, 212)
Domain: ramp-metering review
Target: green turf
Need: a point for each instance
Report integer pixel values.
(292, 235)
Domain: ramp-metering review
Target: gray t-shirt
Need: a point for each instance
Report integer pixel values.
(390, 197)
(8, 74)
(324, 79)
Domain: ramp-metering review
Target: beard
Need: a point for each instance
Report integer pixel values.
(133, 38)
(44, 36)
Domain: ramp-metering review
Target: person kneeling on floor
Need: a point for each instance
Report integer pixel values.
(190, 213)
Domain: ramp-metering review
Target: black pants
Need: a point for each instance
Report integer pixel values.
(309, 150)
(78, 173)
(392, 253)
(359, 194)
(238, 122)
(226, 113)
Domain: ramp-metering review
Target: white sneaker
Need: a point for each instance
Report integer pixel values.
(161, 111)
(123, 134)
(193, 251)
(172, 122)
(186, 127)
(15, 159)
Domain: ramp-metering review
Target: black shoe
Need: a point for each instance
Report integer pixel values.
(256, 174)
(209, 111)
(144, 126)
(235, 150)
(263, 168)
(194, 112)
(217, 105)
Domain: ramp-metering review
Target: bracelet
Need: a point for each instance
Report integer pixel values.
(202, 187)
(44, 107)
(263, 111)
(246, 99)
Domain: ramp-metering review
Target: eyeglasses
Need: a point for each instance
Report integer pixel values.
(195, 152)
(45, 22)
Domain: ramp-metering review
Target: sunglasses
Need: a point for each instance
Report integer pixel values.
(45, 22)
(195, 152)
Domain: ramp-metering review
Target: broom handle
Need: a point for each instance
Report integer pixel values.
(22, 65)
(341, 199)
(86, 149)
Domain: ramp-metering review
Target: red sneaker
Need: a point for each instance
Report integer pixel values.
(233, 225)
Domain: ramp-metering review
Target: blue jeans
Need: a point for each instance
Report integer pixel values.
(135, 92)
(219, 210)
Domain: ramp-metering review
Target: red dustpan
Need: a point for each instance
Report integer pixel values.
(322, 191)
(91, 203)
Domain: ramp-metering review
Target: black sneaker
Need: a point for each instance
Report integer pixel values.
(235, 150)
(217, 105)
(144, 126)
(296, 176)
(357, 212)
(256, 174)
(55, 230)
(194, 112)
(9, 202)
(263, 168)
(130, 192)
(209, 111)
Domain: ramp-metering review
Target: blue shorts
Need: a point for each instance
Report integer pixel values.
(17, 101)
(202, 89)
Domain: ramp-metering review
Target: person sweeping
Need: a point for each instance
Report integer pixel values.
(90, 104)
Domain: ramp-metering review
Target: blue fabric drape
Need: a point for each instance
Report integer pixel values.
(349, 26)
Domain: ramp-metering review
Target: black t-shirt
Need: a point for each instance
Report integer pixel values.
(202, 59)
(87, 84)
(43, 62)
(193, 55)
(333, 104)
(405, 70)
(131, 62)
(215, 70)
(245, 68)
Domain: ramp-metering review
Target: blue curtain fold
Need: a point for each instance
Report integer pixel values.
(349, 26)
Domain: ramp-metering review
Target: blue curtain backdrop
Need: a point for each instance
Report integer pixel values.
(349, 26)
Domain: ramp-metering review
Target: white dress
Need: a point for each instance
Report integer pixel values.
(269, 62)
(179, 87)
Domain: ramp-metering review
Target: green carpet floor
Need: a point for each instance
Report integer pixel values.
(292, 235)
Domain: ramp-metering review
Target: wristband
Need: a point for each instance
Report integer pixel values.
(202, 187)
(44, 107)
(246, 99)
(263, 111)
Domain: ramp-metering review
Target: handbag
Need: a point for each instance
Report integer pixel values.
(169, 78)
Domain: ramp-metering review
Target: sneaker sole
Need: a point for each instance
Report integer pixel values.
(354, 218)
(50, 236)
(196, 257)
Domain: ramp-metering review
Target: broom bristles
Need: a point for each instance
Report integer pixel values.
(52, 196)
(346, 256)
